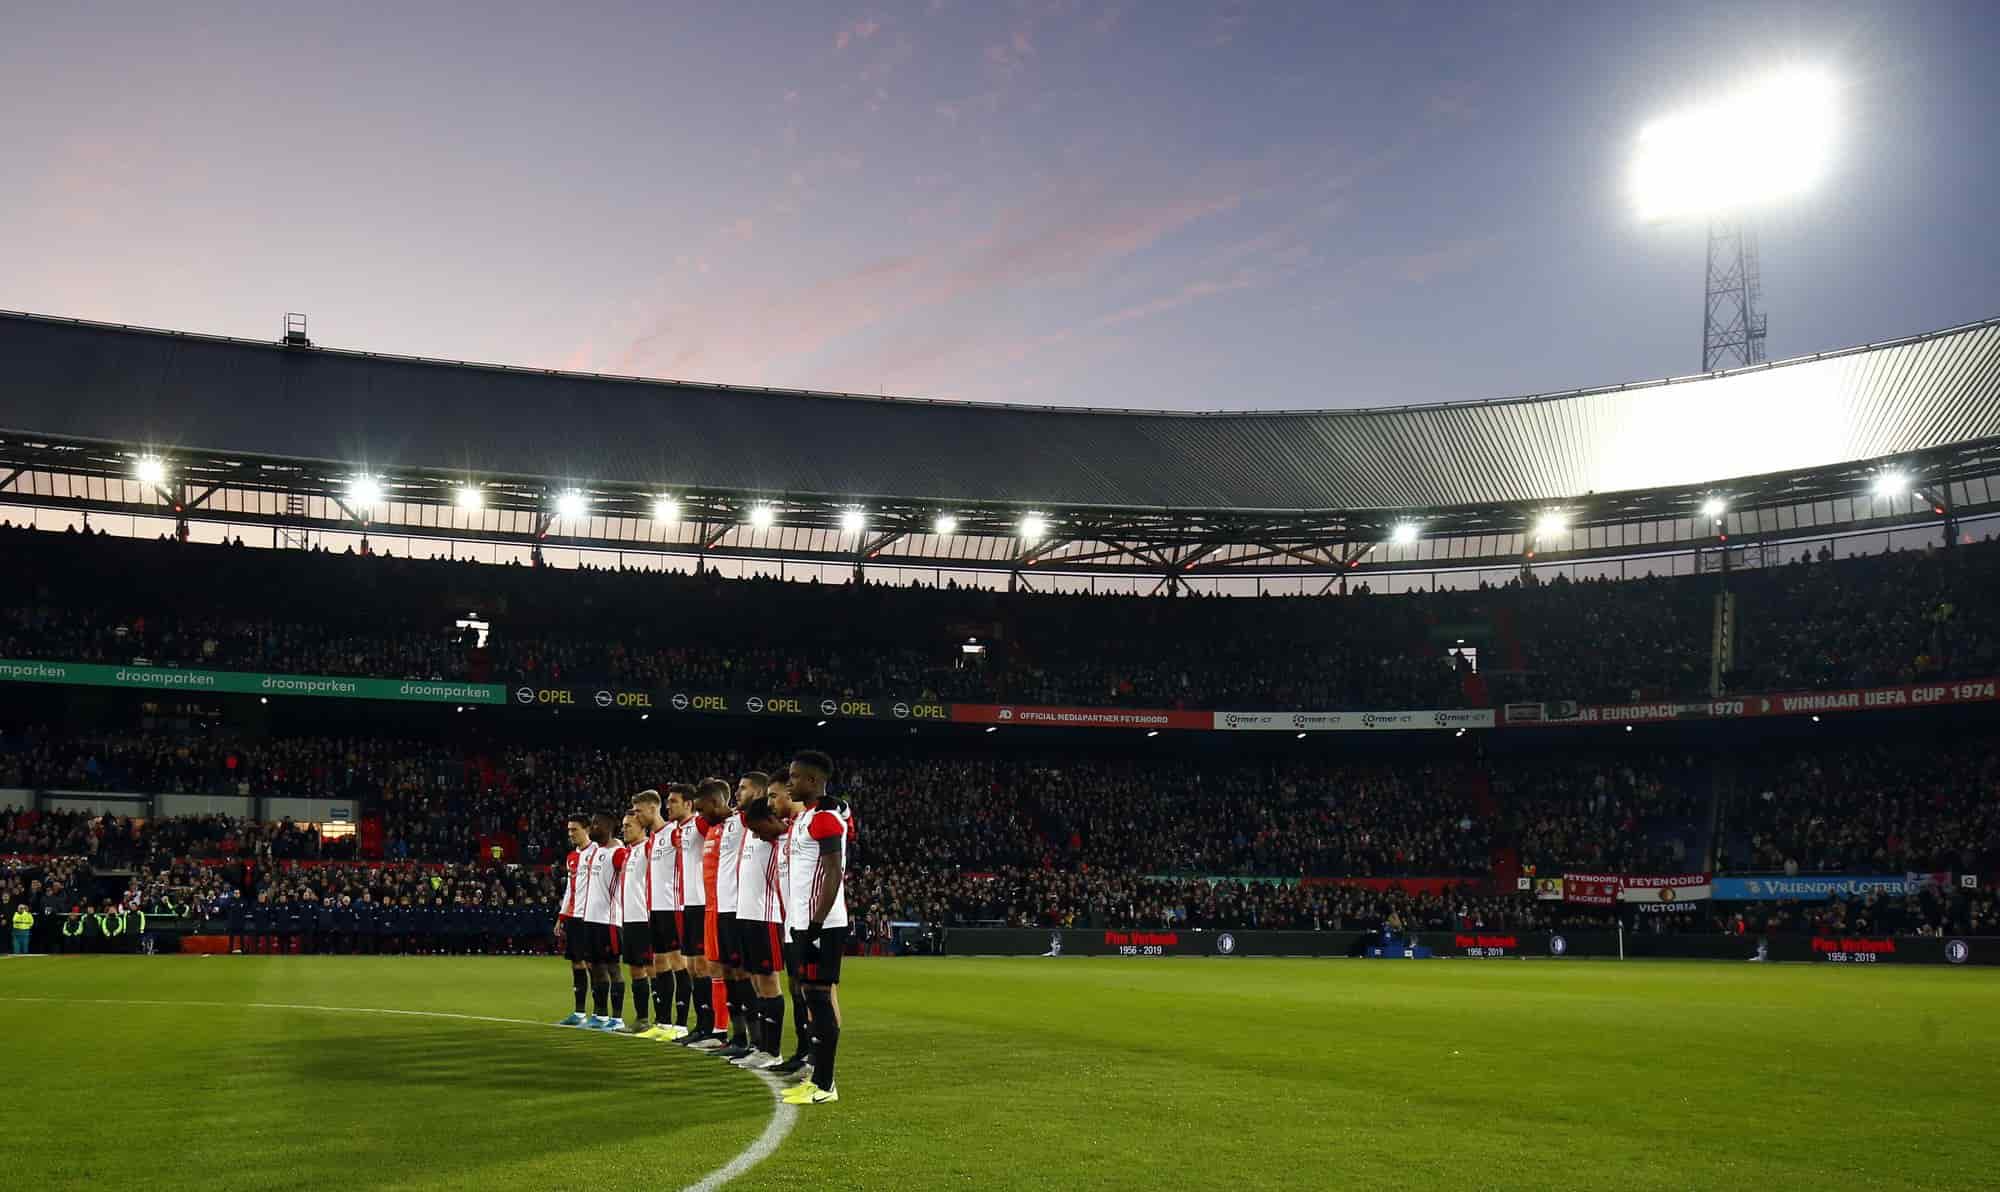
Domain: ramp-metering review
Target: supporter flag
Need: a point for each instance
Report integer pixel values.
(1591, 889)
(1916, 882)
(1549, 889)
(1671, 888)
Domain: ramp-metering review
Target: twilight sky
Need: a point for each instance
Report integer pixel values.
(1188, 205)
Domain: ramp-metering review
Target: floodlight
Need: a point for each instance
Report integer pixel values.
(150, 471)
(571, 504)
(1767, 142)
(1548, 525)
(666, 509)
(761, 517)
(853, 521)
(1714, 507)
(1033, 527)
(1404, 533)
(471, 499)
(945, 524)
(1891, 484)
(364, 492)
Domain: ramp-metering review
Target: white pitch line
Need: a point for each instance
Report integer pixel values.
(783, 1115)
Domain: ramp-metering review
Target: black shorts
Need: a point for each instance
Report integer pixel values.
(762, 951)
(819, 961)
(576, 941)
(694, 920)
(600, 944)
(635, 944)
(666, 932)
(728, 944)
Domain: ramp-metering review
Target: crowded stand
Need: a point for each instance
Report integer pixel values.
(1611, 814)
(1896, 807)
(1809, 623)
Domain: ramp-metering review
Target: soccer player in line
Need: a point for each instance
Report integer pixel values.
(569, 921)
(712, 802)
(634, 918)
(760, 919)
(698, 857)
(784, 810)
(660, 857)
(729, 935)
(680, 814)
(600, 951)
(816, 912)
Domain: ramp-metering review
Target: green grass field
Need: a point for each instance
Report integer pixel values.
(217, 1073)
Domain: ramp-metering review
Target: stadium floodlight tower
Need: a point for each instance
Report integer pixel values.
(1722, 161)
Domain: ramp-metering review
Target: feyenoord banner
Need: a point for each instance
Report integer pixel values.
(1797, 703)
(1669, 889)
(1591, 889)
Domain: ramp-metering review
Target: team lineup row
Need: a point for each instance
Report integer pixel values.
(701, 886)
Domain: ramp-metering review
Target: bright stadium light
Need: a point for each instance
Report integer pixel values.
(1714, 507)
(364, 492)
(666, 509)
(1891, 484)
(1549, 524)
(761, 517)
(471, 499)
(853, 521)
(945, 524)
(1765, 143)
(150, 471)
(1404, 533)
(571, 504)
(1034, 527)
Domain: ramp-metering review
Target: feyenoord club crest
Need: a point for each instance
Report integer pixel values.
(1957, 951)
(1666, 893)
(1225, 944)
(1558, 945)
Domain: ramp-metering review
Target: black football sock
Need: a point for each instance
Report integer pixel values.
(642, 996)
(704, 1011)
(663, 997)
(617, 999)
(740, 1015)
(600, 996)
(580, 985)
(826, 1037)
(774, 1023)
(683, 996)
(801, 1023)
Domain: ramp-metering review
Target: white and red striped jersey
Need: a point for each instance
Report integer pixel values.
(633, 899)
(568, 902)
(692, 893)
(812, 826)
(758, 897)
(782, 846)
(729, 855)
(594, 879)
(663, 860)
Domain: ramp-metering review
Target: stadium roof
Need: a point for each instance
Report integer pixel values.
(180, 392)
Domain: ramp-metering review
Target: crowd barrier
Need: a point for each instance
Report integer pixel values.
(1479, 945)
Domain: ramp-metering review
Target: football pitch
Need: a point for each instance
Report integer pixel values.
(259, 1072)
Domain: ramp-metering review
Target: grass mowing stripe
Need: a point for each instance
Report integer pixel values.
(782, 1115)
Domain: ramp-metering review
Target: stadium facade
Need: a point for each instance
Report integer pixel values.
(274, 435)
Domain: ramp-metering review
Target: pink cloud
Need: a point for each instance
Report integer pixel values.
(742, 335)
(1187, 295)
(860, 30)
(1454, 257)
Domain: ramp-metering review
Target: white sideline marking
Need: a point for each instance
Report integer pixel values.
(783, 1116)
